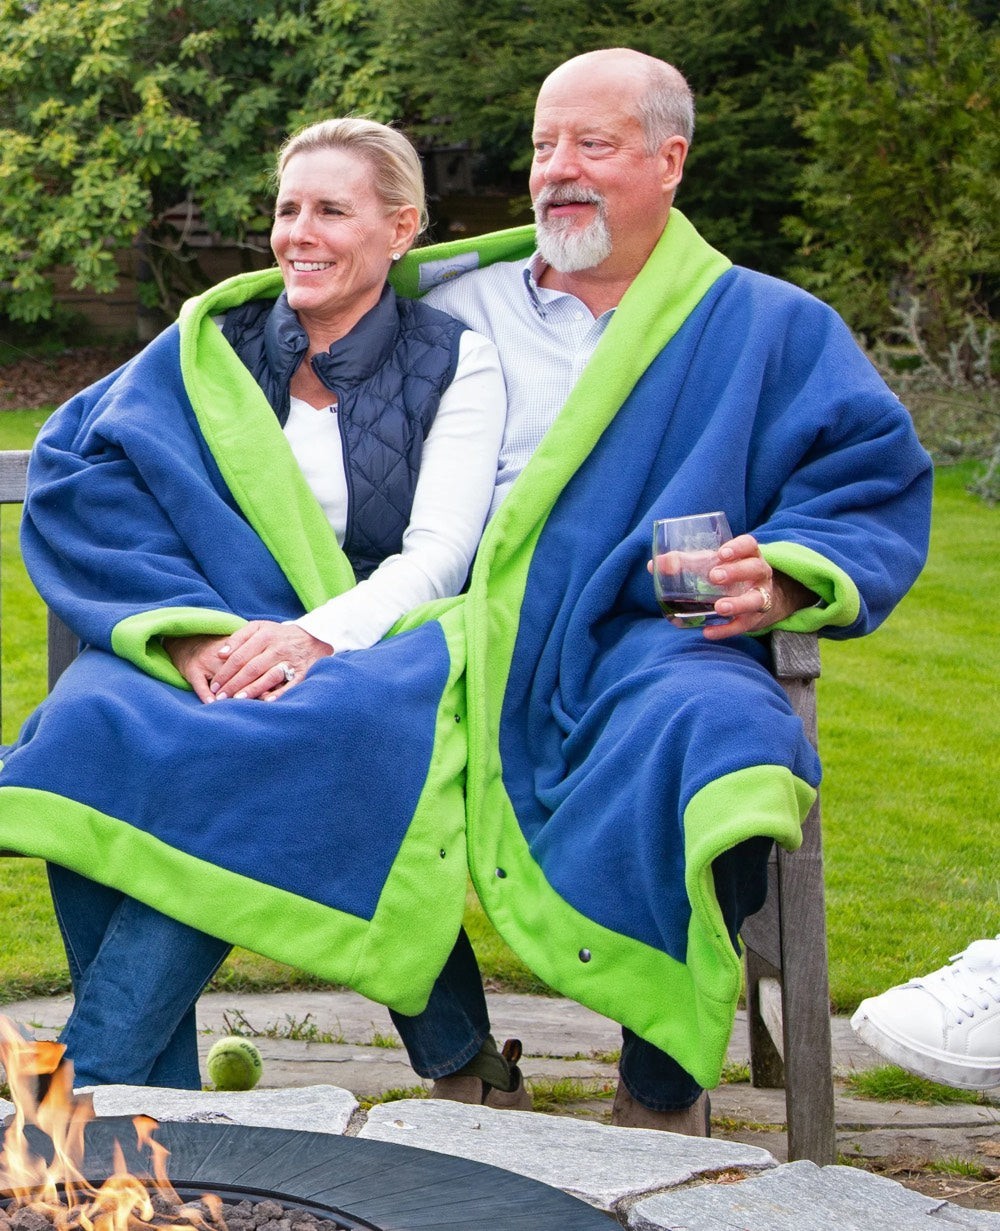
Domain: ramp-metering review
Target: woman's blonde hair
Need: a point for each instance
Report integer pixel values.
(398, 176)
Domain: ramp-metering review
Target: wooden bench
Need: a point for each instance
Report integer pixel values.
(787, 973)
(788, 1003)
(62, 644)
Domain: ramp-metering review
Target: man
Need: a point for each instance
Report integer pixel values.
(732, 402)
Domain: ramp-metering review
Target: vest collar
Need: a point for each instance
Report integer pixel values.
(350, 359)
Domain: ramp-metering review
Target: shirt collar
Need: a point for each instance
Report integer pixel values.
(532, 272)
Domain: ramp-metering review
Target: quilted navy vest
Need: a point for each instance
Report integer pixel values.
(388, 375)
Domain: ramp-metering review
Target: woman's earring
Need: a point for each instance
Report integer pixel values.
(396, 256)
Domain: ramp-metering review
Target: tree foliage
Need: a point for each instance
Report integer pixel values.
(899, 196)
(473, 70)
(469, 70)
(114, 111)
(748, 62)
(874, 120)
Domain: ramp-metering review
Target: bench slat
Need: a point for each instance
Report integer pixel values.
(13, 473)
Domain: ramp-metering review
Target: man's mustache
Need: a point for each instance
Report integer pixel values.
(555, 194)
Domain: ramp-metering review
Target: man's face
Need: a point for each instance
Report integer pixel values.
(599, 195)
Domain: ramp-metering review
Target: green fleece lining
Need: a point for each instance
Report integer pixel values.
(329, 943)
(249, 447)
(702, 993)
(432, 853)
(511, 245)
(137, 638)
(840, 602)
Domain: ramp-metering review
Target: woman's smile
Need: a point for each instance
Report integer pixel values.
(333, 238)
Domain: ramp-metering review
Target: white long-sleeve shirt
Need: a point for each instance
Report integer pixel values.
(450, 503)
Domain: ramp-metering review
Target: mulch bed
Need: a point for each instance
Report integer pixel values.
(32, 382)
(970, 1192)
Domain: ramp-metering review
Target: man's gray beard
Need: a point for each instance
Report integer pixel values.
(571, 250)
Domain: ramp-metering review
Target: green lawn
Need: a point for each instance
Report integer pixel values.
(909, 732)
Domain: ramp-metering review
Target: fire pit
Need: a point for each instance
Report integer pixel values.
(365, 1184)
(53, 1149)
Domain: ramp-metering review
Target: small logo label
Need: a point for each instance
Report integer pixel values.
(434, 273)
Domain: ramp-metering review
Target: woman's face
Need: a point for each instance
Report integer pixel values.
(333, 237)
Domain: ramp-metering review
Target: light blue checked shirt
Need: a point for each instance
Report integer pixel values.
(545, 339)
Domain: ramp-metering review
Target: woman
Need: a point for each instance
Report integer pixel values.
(350, 202)
(392, 413)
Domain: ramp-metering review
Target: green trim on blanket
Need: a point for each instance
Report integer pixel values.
(423, 268)
(433, 853)
(249, 446)
(374, 957)
(840, 601)
(678, 274)
(137, 638)
(433, 609)
(760, 800)
(702, 994)
(645, 321)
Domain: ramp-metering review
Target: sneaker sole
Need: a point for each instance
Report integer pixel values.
(934, 1066)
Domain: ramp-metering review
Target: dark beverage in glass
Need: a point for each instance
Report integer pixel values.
(685, 550)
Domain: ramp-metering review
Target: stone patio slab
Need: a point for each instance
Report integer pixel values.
(919, 1145)
(547, 1025)
(315, 1109)
(803, 1197)
(604, 1166)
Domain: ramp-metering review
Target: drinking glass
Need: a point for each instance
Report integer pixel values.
(685, 549)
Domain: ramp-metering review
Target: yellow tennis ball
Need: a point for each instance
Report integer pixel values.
(234, 1064)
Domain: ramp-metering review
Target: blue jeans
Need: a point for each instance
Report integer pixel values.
(137, 976)
(450, 1031)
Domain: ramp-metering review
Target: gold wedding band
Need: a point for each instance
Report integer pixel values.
(766, 596)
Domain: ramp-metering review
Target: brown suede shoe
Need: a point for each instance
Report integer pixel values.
(467, 1088)
(517, 1099)
(693, 1121)
(456, 1089)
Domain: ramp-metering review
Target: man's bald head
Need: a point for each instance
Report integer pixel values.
(663, 102)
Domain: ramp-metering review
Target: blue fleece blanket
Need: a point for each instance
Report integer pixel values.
(324, 829)
(549, 729)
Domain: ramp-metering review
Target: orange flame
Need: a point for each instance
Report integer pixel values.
(41, 1086)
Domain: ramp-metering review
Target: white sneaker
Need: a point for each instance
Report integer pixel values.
(945, 1026)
